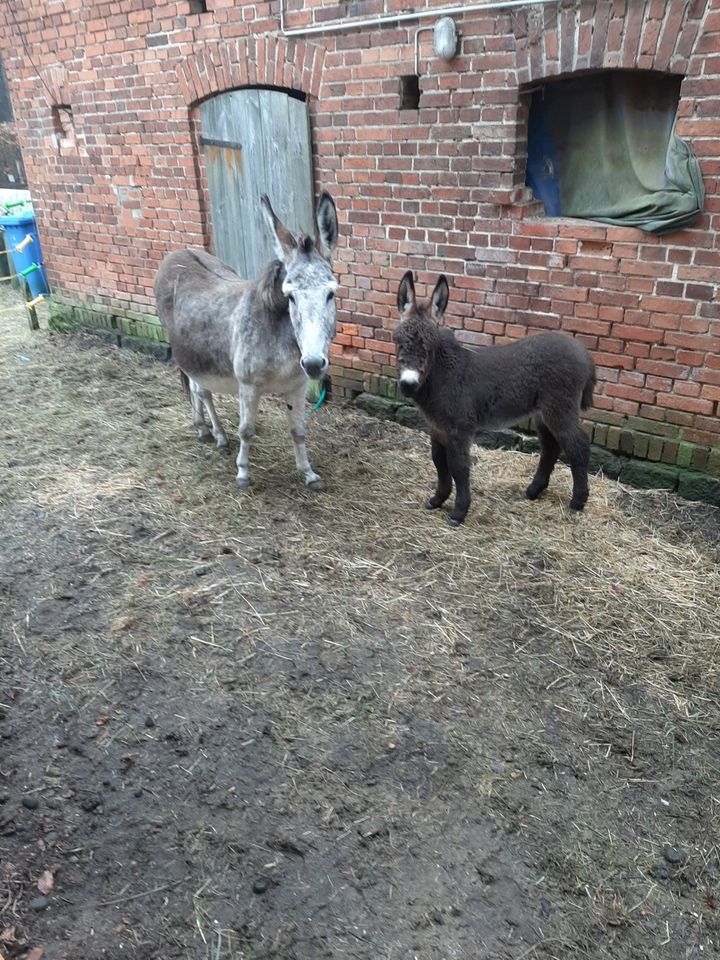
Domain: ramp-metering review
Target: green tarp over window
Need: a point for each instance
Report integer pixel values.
(603, 147)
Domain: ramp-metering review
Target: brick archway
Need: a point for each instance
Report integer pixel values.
(575, 37)
(56, 80)
(553, 41)
(222, 66)
(268, 60)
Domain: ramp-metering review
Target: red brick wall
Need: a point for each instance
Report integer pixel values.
(438, 189)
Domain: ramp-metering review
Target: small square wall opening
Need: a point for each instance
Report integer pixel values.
(63, 126)
(63, 120)
(198, 6)
(410, 92)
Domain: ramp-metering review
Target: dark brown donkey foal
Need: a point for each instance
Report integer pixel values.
(462, 391)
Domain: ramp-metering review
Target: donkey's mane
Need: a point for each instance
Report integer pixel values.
(268, 287)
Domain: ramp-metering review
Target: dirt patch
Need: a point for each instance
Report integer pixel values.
(282, 725)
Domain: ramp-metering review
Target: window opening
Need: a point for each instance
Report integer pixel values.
(603, 147)
(410, 92)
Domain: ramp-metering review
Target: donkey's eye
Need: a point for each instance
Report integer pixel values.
(330, 296)
(291, 297)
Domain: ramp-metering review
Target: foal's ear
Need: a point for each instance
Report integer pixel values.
(440, 297)
(326, 224)
(284, 241)
(406, 293)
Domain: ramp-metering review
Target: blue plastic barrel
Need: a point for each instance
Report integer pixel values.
(16, 229)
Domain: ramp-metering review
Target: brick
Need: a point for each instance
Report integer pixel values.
(690, 404)
(654, 451)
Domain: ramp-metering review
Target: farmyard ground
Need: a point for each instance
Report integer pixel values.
(293, 727)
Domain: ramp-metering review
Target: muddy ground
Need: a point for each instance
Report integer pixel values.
(289, 726)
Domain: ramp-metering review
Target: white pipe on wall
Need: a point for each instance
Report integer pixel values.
(338, 25)
(417, 46)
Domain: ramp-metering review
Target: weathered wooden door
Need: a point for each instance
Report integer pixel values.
(255, 141)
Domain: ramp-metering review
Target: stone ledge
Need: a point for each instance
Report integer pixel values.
(124, 327)
(633, 438)
(635, 473)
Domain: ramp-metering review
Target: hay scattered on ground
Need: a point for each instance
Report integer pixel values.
(632, 584)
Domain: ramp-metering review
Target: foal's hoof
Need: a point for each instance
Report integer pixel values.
(205, 437)
(533, 492)
(433, 503)
(222, 444)
(243, 483)
(455, 521)
(577, 505)
(317, 485)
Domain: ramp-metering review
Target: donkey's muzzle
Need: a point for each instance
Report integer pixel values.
(314, 366)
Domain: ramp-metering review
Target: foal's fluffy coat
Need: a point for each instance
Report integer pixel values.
(462, 391)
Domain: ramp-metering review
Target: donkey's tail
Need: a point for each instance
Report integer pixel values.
(588, 390)
(184, 380)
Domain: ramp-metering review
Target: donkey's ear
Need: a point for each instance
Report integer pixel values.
(326, 224)
(283, 240)
(406, 293)
(440, 297)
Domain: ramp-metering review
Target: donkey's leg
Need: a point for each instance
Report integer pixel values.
(295, 401)
(458, 458)
(444, 479)
(221, 440)
(549, 452)
(249, 400)
(202, 401)
(198, 416)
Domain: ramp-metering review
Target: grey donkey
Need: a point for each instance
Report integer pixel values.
(251, 337)
(461, 391)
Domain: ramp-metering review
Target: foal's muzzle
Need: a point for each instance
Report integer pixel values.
(408, 389)
(409, 381)
(314, 367)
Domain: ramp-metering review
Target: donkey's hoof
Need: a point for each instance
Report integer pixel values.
(222, 444)
(205, 436)
(577, 505)
(433, 503)
(243, 483)
(455, 521)
(317, 485)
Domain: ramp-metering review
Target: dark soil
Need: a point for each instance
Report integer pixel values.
(294, 727)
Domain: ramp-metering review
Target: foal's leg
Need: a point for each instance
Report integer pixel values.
(202, 400)
(458, 459)
(295, 401)
(577, 450)
(249, 400)
(549, 452)
(444, 480)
